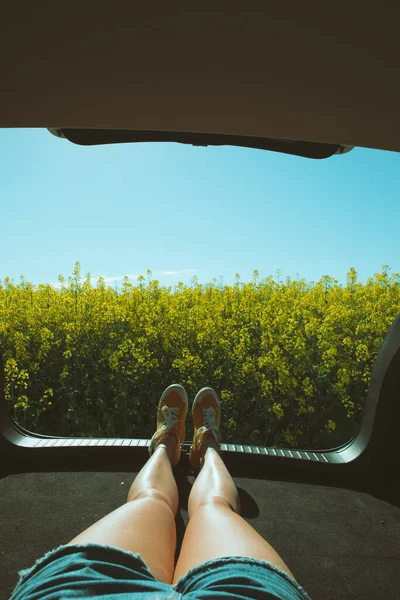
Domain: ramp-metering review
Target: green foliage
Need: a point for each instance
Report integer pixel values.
(291, 360)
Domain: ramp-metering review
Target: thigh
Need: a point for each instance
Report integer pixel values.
(145, 526)
(215, 531)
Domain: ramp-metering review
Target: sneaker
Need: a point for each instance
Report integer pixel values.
(171, 415)
(206, 413)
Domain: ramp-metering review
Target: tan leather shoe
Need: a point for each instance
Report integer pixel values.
(206, 411)
(171, 415)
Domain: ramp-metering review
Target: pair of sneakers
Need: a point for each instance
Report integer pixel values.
(171, 416)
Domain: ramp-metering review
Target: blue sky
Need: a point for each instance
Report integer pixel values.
(182, 211)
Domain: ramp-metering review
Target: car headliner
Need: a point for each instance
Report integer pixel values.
(317, 72)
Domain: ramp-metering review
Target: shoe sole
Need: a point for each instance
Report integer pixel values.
(201, 394)
(179, 389)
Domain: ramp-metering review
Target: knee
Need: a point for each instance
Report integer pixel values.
(154, 495)
(216, 502)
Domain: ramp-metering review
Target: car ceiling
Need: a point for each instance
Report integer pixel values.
(310, 72)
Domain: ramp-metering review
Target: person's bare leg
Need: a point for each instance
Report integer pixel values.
(146, 523)
(215, 528)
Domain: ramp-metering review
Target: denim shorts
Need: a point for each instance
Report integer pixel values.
(97, 571)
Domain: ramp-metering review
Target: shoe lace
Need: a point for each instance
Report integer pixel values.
(209, 417)
(171, 415)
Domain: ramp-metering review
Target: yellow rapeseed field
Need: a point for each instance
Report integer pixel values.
(291, 360)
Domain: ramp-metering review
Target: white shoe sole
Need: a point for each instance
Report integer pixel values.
(175, 387)
(205, 392)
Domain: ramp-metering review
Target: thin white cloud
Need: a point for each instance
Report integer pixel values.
(94, 280)
(114, 278)
(177, 272)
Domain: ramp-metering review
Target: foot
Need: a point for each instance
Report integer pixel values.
(171, 415)
(206, 413)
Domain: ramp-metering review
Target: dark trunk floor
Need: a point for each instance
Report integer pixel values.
(340, 544)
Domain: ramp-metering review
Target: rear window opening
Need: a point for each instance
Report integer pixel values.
(290, 356)
(291, 360)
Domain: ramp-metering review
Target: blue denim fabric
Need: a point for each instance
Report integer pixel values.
(96, 571)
